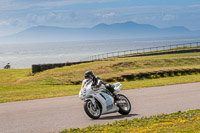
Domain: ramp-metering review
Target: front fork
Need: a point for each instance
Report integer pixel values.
(93, 101)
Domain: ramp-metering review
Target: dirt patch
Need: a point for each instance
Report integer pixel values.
(125, 64)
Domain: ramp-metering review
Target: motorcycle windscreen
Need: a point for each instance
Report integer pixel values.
(83, 93)
(108, 99)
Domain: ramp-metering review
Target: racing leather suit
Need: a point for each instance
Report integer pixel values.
(108, 86)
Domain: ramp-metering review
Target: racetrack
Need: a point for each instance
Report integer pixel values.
(55, 114)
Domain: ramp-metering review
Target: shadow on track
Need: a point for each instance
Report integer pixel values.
(117, 117)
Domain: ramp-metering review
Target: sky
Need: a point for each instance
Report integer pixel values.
(18, 15)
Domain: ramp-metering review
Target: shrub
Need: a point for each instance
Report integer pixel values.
(172, 74)
(179, 74)
(157, 75)
(151, 76)
(165, 74)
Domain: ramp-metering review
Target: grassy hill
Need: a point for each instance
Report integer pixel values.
(112, 68)
(20, 84)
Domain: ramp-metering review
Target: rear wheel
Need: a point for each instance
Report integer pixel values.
(124, 105)
(92, 111)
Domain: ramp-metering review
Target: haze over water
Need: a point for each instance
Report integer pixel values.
(24, 55)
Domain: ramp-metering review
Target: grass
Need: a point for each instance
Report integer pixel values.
(20, 84)
(114, 68)
(188, 121)
(28, 92)
(11, 76)
(161, 81)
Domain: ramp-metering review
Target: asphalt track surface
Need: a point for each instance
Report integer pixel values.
(55, 114)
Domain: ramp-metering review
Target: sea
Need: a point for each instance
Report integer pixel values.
(24, 55)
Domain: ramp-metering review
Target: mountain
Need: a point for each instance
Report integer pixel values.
(127, 30)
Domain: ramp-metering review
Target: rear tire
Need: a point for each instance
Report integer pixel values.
(124, 108)
(91, 111)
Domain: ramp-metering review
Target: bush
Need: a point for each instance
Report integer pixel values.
(157, 75)
(165, 75)
(172, 74)
(179, 74)
(151, 76)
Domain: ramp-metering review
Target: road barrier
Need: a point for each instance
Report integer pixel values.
(177, 48)
(41, 67)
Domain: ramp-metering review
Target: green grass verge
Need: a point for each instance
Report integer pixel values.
(28, 92)
(180, 122)
(11, 76)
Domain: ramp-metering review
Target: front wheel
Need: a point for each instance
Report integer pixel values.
(124, 105)
(92, 111)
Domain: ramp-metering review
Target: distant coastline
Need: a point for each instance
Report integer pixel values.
(126, 30)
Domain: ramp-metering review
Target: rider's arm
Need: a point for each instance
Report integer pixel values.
(97, 82)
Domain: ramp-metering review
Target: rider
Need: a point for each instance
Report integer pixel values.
(7, 66)
(90, 75)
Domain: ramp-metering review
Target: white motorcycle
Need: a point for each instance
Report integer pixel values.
(99, 100)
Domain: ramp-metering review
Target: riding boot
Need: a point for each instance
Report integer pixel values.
(111, 89)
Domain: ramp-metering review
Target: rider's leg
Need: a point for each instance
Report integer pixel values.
(111, 89)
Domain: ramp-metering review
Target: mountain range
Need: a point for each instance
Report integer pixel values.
(127, 30)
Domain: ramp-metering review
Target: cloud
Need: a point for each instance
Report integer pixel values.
(27, 4)
(106, 15)
(168, 17)
(53, 3)
(198, 6)
(10, 22)
(4, 22)
(27, 13)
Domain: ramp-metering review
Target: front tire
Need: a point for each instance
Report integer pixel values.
(125, 107)
(91, 111)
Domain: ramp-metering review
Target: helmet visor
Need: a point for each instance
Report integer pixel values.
(87, 77)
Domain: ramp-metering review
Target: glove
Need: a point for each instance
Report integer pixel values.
(107, 85)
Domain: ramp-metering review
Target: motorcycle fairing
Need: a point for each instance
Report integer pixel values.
(106, 104)
(109, 101)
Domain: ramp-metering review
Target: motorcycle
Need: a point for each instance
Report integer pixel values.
(99, 100)
(7, 66)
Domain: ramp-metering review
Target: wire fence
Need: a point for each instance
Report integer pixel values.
(143, 51)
